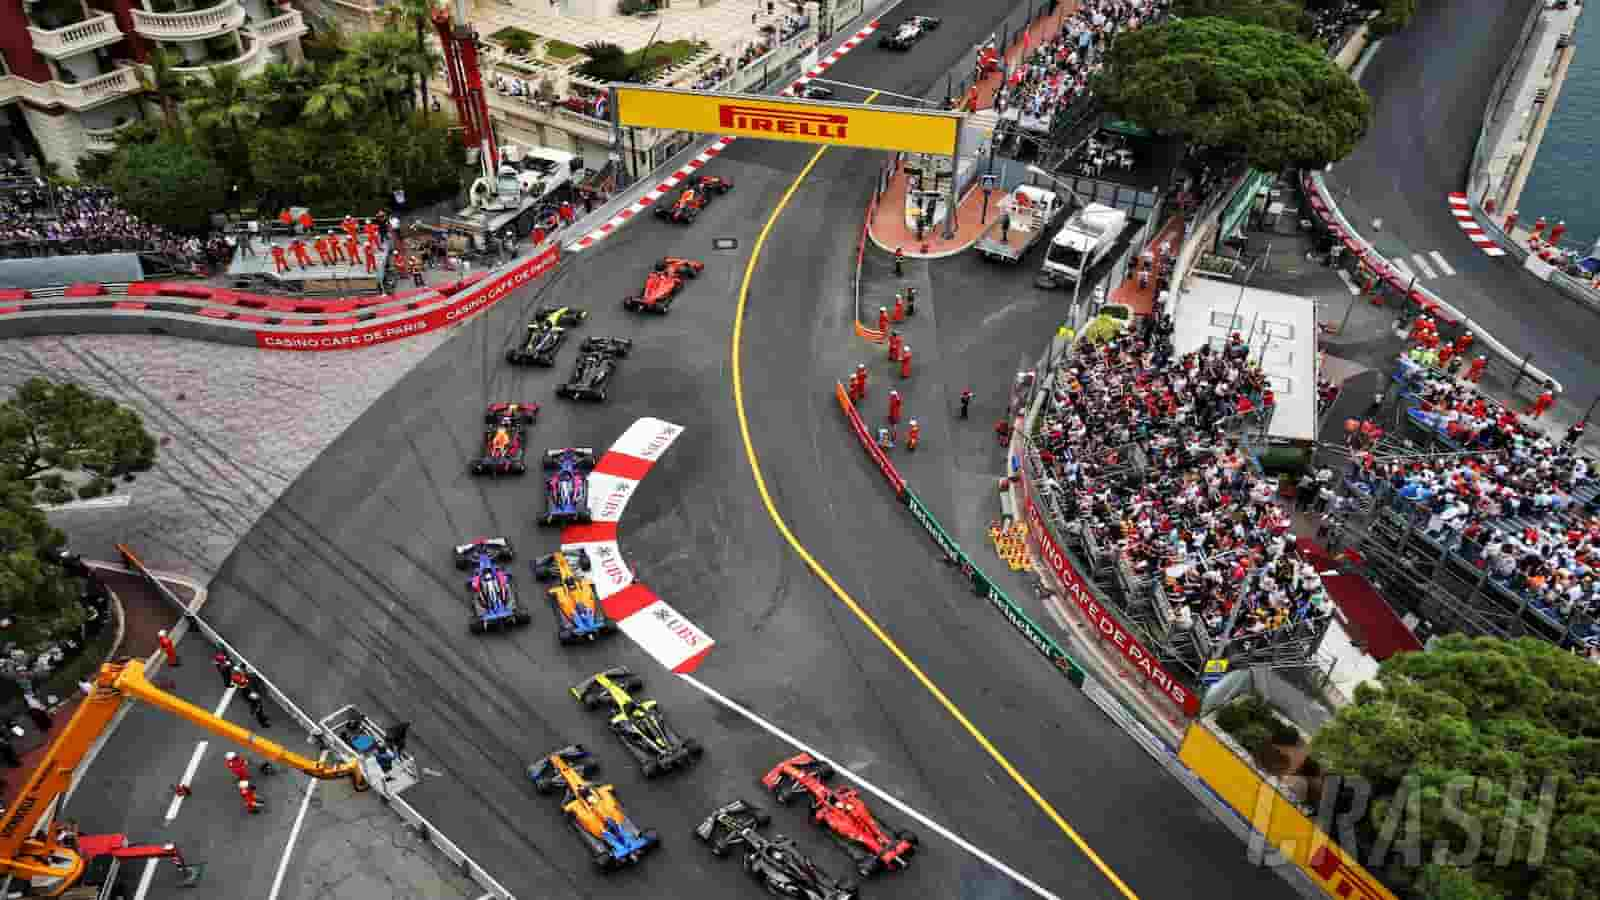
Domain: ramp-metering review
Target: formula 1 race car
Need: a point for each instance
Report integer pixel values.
(814, 92)
(775, 862)
(494, 597)
(597, 363)
(557, 316)
(843, 813)
(579, 616)
(902, 37)
(592, 811)
(713, 184)
(639, 724)
(566, 491)
(683, 210)
(663, 284)
(504, 450)
(539, 347)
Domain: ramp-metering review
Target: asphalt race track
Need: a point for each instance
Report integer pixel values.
(1430, 86)
(345, 591)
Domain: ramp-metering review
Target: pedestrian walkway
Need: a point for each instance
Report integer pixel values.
(889, 230)
(1141, 298)
(1040, 32)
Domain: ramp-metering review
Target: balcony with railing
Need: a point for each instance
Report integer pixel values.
(278, 29)
(104, 140)
(195, 25)
(98, 30)
(80, 96)
(251, 62)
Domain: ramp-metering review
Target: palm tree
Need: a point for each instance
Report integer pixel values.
(227, 103)
(419, 14)
(281, 91)
(166, 84)
(386, 65)
(339, 98)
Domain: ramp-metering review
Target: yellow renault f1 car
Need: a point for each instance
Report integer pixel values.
(579, 616)
(592, 810)
(638, 723)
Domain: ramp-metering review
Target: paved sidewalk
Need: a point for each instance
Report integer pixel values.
(1142, 299)
(888, 228)
(1515, 136)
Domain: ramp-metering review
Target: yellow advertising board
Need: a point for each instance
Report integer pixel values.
(1287, 829)
(782, 119)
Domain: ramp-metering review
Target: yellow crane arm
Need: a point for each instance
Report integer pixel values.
(127, 679)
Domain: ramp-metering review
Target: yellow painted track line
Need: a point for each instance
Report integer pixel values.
(839, 592)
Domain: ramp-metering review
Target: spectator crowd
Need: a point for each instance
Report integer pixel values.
(1510, 499)
(1140, 444)
(88, 219)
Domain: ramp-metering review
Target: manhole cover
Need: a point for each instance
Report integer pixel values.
(725, 243)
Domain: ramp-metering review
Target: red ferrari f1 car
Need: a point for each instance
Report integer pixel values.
(843, 813)
(663, 284)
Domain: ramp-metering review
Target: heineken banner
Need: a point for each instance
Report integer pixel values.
(952, 550)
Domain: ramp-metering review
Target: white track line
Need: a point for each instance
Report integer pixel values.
(872, 789)
(1438, 260)
(146, 877)
(294, 834)
(1400, 266)
(194, 760)
(1421, 263)
(1348, 281)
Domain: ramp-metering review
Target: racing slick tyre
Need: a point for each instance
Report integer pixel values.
(491, 418)
(694, 748)
(505, 554)
(477, 626)
(908, 836)
(545, 570)
(522, 618)
(598, 396)
(652, 768)
(514, 357)
(782, 791)
(691, 272)
(869, 866)
(519, 468)
(477, 468)
(630, 304)
(583, 518)
(566, 637)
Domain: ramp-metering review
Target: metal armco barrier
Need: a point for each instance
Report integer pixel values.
(1322, 202)
(981, 584)
(322, 736)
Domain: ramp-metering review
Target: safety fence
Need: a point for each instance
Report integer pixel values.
(320, 733)
(1328, 211)
(981, 584)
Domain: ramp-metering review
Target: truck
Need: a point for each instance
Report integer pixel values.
(1088, 235)
(544, 170)
(1026, 215)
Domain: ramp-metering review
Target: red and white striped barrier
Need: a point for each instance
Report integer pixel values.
(644, 203)
(1461, 208)
(662, 631)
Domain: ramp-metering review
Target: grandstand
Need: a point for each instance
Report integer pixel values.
(1476, 522)
(1146, 462)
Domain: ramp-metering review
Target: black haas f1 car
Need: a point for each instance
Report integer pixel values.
(597, 363)
(843, 813)
(639, 724)
(775, 862)
(494, 597)
(663, 284)
(505, 451)
(579, 615)
(592, 811)
(566, 491)
(539, 347)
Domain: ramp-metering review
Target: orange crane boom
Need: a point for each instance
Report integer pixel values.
(26, 852)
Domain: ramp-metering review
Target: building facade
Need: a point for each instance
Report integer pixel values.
(74, 72)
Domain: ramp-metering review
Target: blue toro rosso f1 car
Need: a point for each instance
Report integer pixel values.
(494, 597)
(566, 490)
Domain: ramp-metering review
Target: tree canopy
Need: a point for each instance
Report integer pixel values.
(338, 134)
(168, 183)
(37, 601)
(50, 430)
(1283, 15)
(1459, 726)
(1264, 94)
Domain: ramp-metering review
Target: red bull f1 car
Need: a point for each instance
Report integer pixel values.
(663, 284)
(639, 724)
(566, 489)
(694, 197)
(579, 615)
(843, 812)
(776, 862)
(494, 596)
(592, 810)
(505, 451)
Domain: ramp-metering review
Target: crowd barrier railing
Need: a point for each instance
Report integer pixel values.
(981, 584)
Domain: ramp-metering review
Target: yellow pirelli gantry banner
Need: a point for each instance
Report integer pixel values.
(802, 121)
(1287, 829)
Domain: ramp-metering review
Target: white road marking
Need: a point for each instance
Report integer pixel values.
(1348, 281)
(1400, 266)
(194, 760)
(872, 789)
(1423, 267)
(145, 877)
(1438, 260)
(112, 502)
(294, 834)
